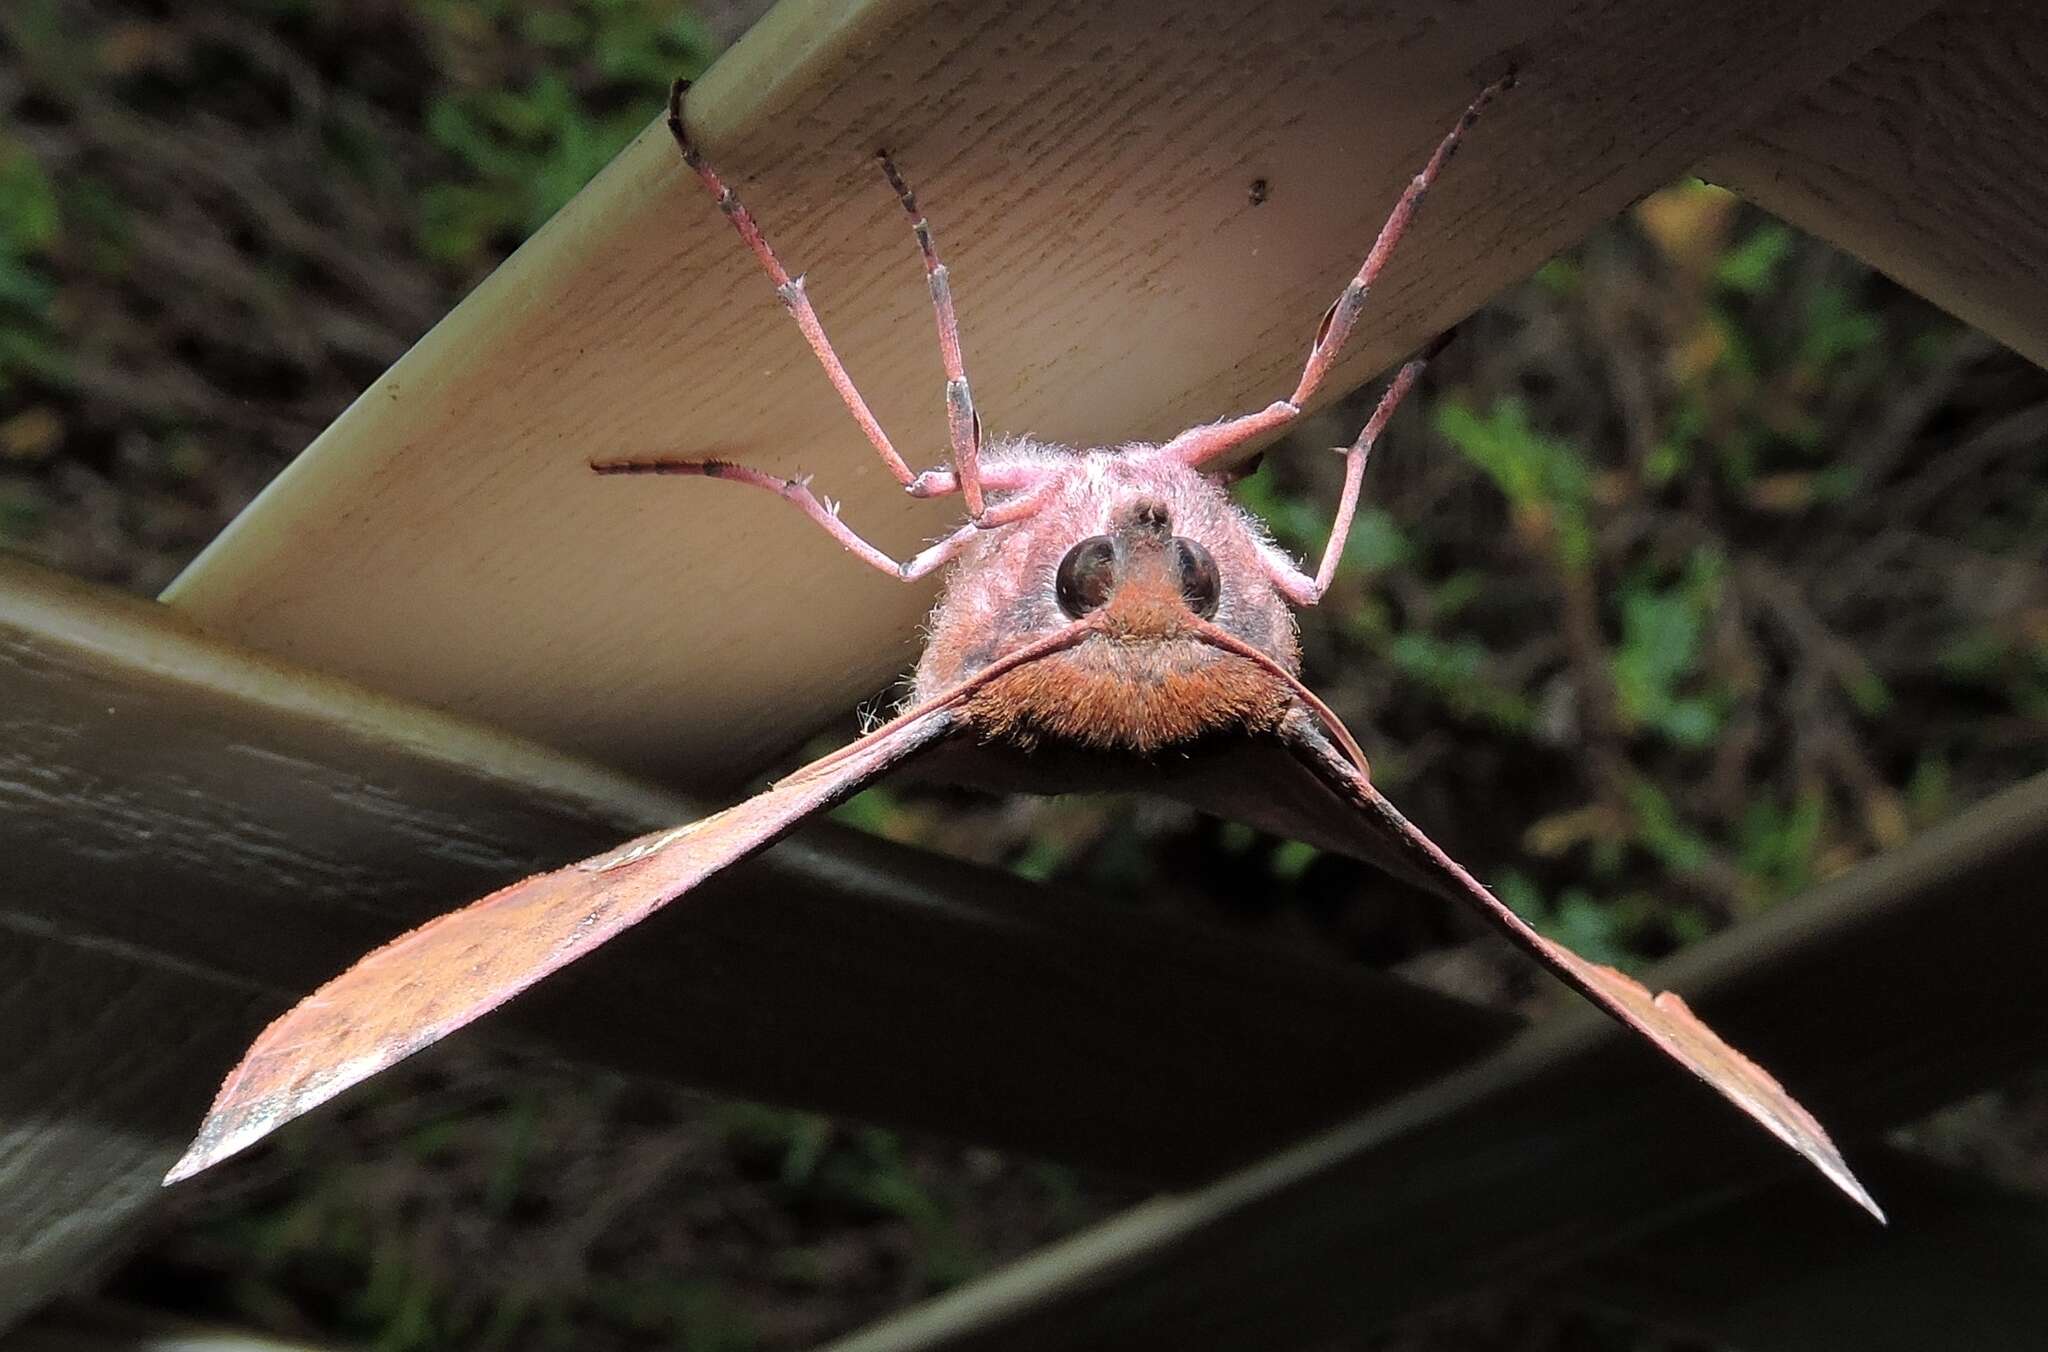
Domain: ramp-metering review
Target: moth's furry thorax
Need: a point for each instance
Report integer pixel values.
(1144, 683)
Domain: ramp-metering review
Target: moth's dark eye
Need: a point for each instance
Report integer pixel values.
(1200, 587)
(1086, 575)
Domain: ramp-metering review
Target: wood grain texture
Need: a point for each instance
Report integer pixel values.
(1928, 159)
(1888, 992)
(194, 837)
(104, 1049)
(1087, 168)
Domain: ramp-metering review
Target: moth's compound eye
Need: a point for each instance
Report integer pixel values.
(1086, 575)
(1200, 586)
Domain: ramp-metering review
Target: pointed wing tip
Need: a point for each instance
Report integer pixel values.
(1838, 1174)
(214, 1143)
(1664, 1018)
(243, 1114)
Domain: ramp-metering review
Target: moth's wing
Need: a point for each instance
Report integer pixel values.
(1353, 818)
(424, 985)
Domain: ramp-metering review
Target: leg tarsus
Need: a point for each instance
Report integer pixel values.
(1199, 445)
(1298, 586)
(963, 425)
(796, 492)
(789, 289)
(1340, 318)
(825, 513)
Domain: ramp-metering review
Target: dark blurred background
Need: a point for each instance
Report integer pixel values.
(1707, 563)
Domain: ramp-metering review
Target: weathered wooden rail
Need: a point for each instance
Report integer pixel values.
(195, 836)
(1884, 995)
(193, 830)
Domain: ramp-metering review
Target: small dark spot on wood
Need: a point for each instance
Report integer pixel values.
(1260, 191)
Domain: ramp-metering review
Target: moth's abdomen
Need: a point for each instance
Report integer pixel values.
(1142, 697)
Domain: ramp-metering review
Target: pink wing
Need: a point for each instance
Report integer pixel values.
(421, 987)
(1663, 1019)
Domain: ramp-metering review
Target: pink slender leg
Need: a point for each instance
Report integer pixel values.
(825, 512)
(963, 426)
(1199, 445)
(1337, 324)
(790, 289)
(1298, 586)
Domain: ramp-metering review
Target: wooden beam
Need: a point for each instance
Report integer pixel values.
(1895, 989)
(194, 836)
(103, 1327)
(1926, 158)
(1960, 1266)
(1088, 170)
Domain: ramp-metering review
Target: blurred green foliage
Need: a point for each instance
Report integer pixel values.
(29, 222)
(528, 148)
(1657, 657)
(1544, 481)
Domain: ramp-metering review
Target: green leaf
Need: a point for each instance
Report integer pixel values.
(1751, 267)
(1455, 672)
(1836, 327)
(1534, 472)
(29, 216)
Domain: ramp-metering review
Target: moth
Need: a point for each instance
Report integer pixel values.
(1110, 619)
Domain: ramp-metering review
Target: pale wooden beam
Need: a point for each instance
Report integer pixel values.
(1901, 986)
(194, 836)
(1088, 169)
(1927, 158)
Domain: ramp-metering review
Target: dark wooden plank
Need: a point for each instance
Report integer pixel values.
(101, 1327)
(1964, 1264)
(1899, 987)
(194, 836)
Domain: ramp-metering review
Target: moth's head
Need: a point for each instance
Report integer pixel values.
(1150, 554)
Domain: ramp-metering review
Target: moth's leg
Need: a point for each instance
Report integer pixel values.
(1298, 586)
(963, 425)
(1338, 321)
(790, 289)
(1002, 514)
(825, 512)
(1199, 445)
